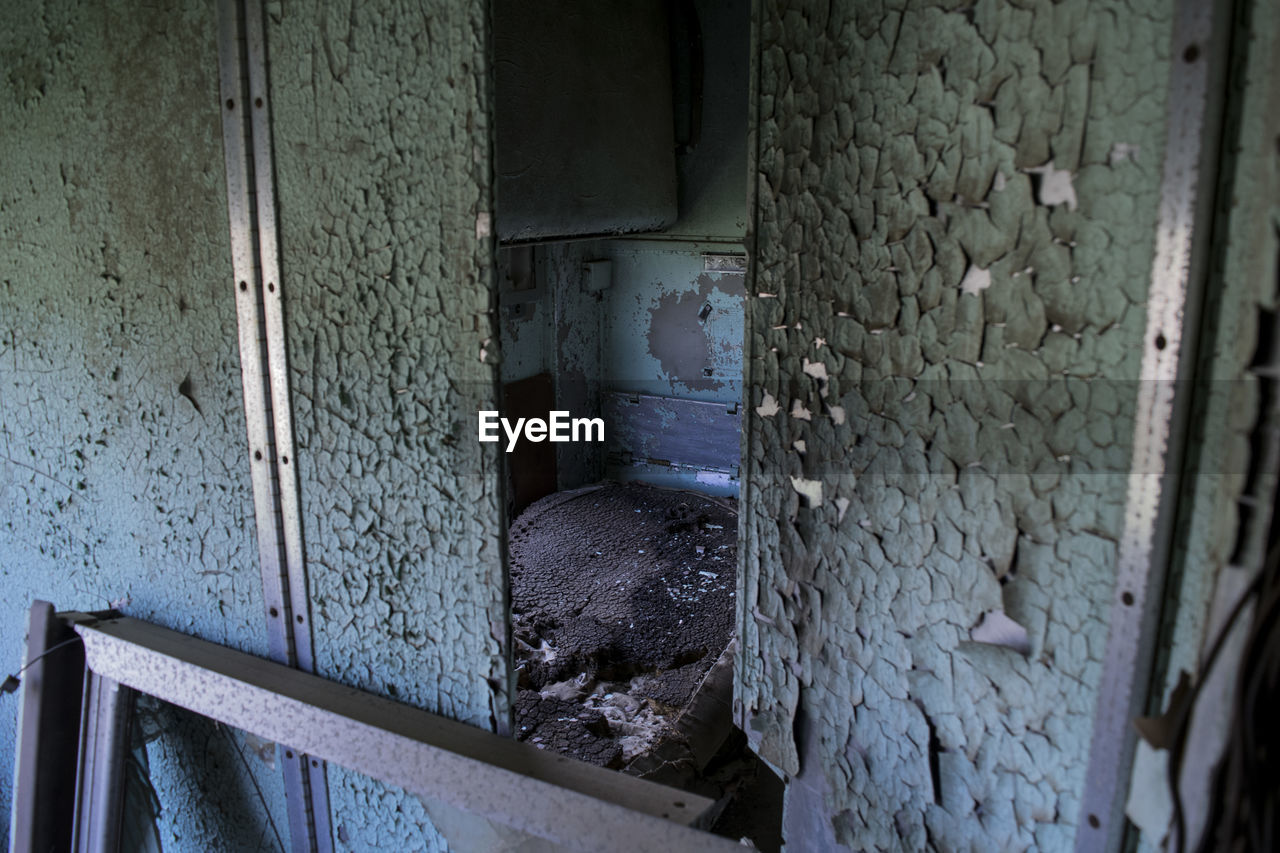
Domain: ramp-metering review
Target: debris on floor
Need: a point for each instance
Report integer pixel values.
(622, 599)
(622, 614)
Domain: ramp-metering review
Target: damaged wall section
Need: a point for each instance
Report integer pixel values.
(955, 210)
(124, 469)
(671, 327)
(673, 363)
(384, 170)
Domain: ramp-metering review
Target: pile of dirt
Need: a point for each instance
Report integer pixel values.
(623, 607)
(622, 600)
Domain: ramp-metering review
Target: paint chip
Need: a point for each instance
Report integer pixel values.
(768, 406)
(975, 280)
(1122, 151)
(837, 414)
(1055, 186)
(842, 506)
(810, 490)
(799, 412)
(816, 369)
(997, 629)
(484, 225)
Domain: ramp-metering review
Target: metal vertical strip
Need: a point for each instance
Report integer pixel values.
(104, 748)
(305, 814)
(281, 403)
(249, 317)
(45, 767)
(1154, 469)
(277, 355)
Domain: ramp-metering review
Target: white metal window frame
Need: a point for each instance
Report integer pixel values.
(573, 805)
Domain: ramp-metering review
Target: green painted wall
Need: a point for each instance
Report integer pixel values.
(954, 212)
(955, 219)
(123, 472)
(381, 131)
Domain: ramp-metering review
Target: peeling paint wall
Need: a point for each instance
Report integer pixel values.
(124, 478)
(672, 328)
(577, 356)
(527, 315)
(384, 171)
(955, 209)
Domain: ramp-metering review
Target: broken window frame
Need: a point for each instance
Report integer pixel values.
(568, 803)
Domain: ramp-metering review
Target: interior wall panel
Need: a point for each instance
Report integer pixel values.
(384, 174)
(954, 219)
(124, 470)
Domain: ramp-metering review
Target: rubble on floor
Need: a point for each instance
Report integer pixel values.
(622, 613)
(622, 599)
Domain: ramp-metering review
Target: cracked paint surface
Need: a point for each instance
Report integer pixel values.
(384, 177)
(942, 227)
(124, 471)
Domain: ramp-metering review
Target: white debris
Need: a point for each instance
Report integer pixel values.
(975, 280)
(816, 369)
(998, 629)
(1121, 151)
(1055, 186)
(811, 490)
(767, 408)
(842, 506)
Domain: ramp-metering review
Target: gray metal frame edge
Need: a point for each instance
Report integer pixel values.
(576, 805)
(1197, 66)
(265, 384)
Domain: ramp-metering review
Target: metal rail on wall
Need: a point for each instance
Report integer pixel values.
(246, 133)
(1199, 48)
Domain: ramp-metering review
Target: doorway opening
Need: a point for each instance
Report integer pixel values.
(621, 132)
